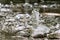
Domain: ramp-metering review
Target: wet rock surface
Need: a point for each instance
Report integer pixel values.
(24, 26)
(41, 30)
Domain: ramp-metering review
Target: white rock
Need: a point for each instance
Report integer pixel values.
(7, 5)
(20, 28)
(27, 4)
(22, 32)
(1, 5)
(44, 6)
(41, 30)
(57, 26)
(10, 19)
(58, 31)
(5, 10)
(29, 26)
(27, 15)
(18, 16)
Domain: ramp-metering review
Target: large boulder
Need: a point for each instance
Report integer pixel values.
(40, 30)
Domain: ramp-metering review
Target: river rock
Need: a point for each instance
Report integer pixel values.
(40, 30)
(55, 34)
